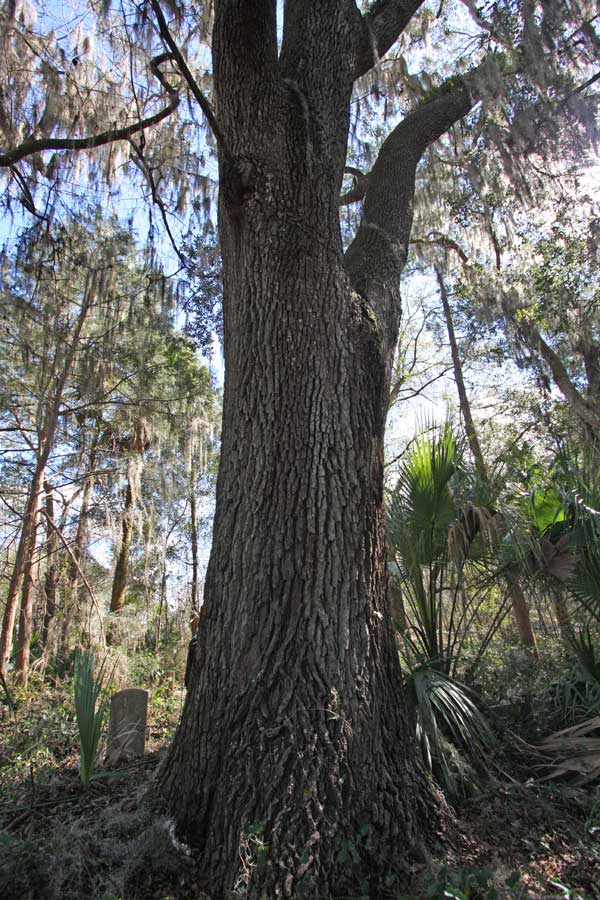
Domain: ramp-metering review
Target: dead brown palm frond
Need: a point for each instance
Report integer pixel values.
(473, 520)
(573, 752)
(556, 558)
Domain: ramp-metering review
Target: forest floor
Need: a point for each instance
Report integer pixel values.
(516, 839)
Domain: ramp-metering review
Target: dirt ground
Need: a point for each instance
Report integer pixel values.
(517, 839)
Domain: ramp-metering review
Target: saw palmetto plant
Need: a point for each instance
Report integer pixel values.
(440, 539)
(453, 736)
(437, 529)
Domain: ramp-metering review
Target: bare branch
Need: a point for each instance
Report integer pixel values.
(37, 145)
(183, 67)
(436, 238)
(140, 161)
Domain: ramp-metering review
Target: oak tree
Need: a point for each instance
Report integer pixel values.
(293, 769)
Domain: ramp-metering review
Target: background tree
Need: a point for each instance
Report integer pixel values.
(125, 359)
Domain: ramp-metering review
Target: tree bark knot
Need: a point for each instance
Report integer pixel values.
(238, 183)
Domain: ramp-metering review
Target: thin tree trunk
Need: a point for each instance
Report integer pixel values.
(520, 609)
(117, 597)
(463, 397)
(561, 611)
(23, 557)
(519, 604)
(24, 633)
(119, 586)
(585, 408)
(51, 577)
(163, 596)
(71, 608)
(49, 410)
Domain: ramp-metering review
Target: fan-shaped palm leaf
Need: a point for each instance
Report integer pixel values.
(454, 738)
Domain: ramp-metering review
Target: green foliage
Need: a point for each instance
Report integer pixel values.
(438, 526)
(88, 689)
(421, 505)
(453, 736)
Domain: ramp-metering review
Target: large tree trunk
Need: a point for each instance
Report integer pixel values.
(195, 598)
(294, 743)
(294, 768)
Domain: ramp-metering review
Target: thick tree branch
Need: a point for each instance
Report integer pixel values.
(183, 67)
(359, 187)
(380, 29)
(30, 146)
(376, 257)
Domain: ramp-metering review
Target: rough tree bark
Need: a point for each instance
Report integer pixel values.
(520, 608)
(295, 743)
(195, 598)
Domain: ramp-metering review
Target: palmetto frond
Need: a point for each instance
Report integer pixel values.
(436, 524)
(454, 738)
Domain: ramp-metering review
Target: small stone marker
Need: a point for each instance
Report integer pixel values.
(127, 726)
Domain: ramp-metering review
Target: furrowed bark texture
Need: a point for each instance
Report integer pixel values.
(293, 769)
(195, 600)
